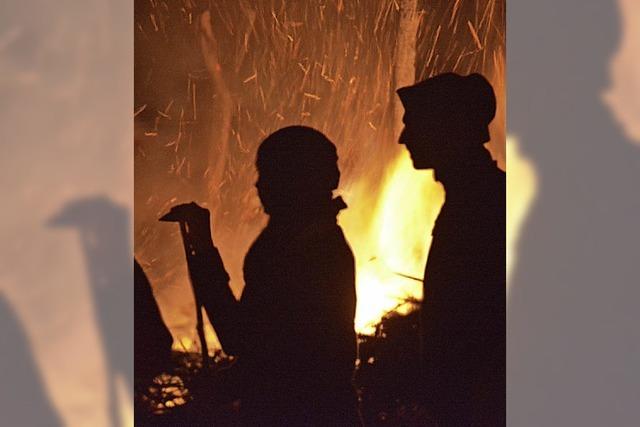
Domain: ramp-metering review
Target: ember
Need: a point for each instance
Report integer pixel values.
(211, 84)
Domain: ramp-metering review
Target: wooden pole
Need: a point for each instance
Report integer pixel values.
(204, 349)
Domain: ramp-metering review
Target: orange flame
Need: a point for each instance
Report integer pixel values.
(390, 237)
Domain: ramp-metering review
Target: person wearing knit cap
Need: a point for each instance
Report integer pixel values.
(446, 124)
(293, 328)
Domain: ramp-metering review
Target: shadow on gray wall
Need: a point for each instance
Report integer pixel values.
(23, 399)
(103, 228)
(572, 315)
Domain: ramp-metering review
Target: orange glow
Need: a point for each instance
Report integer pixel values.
(190, 344)
(272, 64)
(390, 236)
(389, 230)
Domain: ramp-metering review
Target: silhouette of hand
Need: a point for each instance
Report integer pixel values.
(186, 212)
(194, 220)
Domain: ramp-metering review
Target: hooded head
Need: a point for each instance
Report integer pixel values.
(446, 119)
(297, 170)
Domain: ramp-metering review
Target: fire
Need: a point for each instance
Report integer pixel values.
(223, 80)
(390, 237)
(389, 230)
(190, 343)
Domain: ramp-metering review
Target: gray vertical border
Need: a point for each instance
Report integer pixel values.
(573, 342)
(66, 185)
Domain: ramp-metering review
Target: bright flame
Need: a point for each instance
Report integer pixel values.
(390, 236)
(389, 231)
(191, 343)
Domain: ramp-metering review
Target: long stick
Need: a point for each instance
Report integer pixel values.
(199, 318)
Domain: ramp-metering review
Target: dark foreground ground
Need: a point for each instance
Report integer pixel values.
(386, 379)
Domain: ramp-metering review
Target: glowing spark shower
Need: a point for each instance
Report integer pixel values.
(212, 83)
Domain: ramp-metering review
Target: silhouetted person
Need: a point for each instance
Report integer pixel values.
(152, 339)
(103, 228)
(446, 124)
(23, 398)
(293, 328)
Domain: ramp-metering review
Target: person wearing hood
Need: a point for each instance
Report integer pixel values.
(293, 327)
(464, 310)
